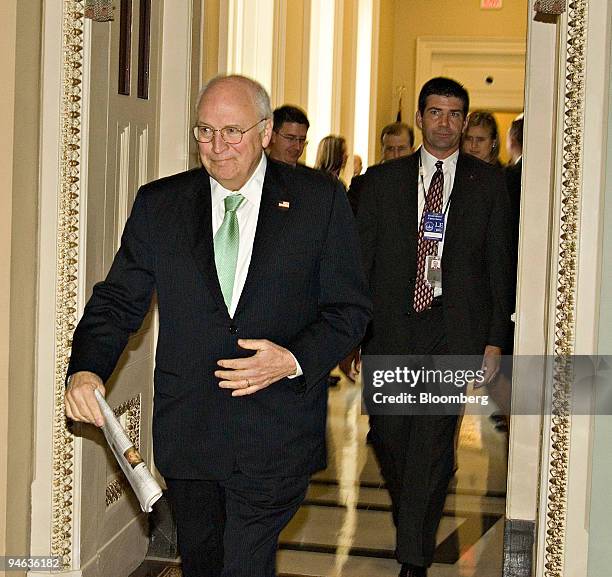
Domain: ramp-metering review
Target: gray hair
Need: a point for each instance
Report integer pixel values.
(258, 93)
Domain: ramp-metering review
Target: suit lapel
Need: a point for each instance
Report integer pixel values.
(409, 199)
(270, 223)
(198, 226)
(464, 181)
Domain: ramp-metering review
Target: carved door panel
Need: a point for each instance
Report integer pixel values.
(122, 153)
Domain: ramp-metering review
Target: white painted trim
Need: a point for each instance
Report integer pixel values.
(305, 77)
(142, 153)
(84, 182)
(589, 274)
(531, 331)
(336, 85)
(349, 97)
(123, 177)
(81, 273)
(593, 175)
(175, 106)
(549, 304)
(277, 93)
(202, 43)
(373, 141)
(364, 49)
(50, 139)
(50, 118)
(250, 43)
(235, 14)
(320, 73)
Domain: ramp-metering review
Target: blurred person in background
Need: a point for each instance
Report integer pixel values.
(288, 138)
(514, 141)
(332, 155)
(481, 137)
(331, 159)
(357, 165)
(396, 140)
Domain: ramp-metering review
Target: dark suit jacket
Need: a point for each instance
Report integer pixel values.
(513, 174)
(305, 290)
(476, 263)
(354, 192)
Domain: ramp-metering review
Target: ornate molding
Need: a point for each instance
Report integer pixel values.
(115, 489)
(555, 7)
(131, 409)
(172, 572)
(571, 177)
(67, 262)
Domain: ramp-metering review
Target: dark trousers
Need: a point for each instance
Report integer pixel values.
(416, 455)
(230, 528)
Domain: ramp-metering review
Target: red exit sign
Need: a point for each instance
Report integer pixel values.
(491, 4)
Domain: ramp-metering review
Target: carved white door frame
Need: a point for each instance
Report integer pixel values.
(56, 487)
(559, 273)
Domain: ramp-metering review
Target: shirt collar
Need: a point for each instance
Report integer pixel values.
(251, 190)
(428, 161)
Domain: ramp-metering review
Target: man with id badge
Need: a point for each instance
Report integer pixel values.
(436, 243)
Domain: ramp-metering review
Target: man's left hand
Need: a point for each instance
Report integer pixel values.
(269, 364)
(491, 362)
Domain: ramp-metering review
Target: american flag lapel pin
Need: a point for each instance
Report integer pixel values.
(283, 205)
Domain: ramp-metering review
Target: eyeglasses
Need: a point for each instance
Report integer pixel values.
(299, 139)
(229, 134)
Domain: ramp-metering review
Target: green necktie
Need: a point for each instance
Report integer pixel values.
(227, 240)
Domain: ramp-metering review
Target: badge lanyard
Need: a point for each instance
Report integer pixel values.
(434, 224)
(445, 210)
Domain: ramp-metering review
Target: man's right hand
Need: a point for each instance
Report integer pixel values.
(80, 400)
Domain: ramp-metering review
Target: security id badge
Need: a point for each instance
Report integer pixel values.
(433, 226)
(433, 271)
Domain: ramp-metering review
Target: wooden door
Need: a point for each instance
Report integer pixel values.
(122, 155)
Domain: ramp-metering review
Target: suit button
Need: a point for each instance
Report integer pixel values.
(233, 329)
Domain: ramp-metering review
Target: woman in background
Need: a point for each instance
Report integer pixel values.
(331, 159)
(481, 137)
(332, 155)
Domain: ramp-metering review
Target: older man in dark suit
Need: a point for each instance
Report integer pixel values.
(258, 279)
(467, 313)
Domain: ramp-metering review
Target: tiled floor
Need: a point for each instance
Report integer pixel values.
(344, 528)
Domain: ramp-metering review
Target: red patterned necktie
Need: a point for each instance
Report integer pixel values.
(423, 291)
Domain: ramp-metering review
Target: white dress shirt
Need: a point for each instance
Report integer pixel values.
(427, 169)
(248, 215)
